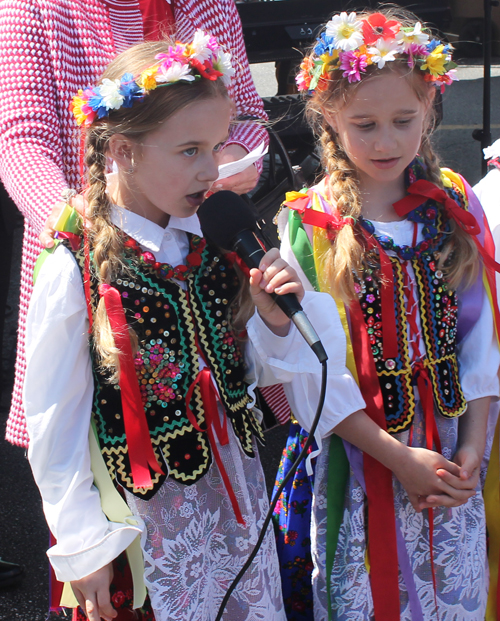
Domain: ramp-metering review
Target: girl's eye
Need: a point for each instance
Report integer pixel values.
(190, 152)
(219, 147)
(365, 126)
(403, 122)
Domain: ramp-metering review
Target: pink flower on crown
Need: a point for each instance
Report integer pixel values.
(416, 50)
(353, 65)
(174, 54)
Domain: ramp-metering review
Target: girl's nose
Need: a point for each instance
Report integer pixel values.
(385, 141)
(210, 170)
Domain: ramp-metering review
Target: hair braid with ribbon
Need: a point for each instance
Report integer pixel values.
(107, 246)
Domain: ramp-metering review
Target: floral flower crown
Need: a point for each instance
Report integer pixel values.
(187, 62)
(351, 44)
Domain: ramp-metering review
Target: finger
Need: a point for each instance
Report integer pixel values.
(453, 481)
(106, 610)
(46, 238)
(79, 597)
(444, 500)
(281, 278)
(268, 259)
(449, 466)
(256, 277)
(415, 502)
(92, 609)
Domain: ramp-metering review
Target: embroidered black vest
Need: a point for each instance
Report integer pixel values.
(438, 309)
(174, 326)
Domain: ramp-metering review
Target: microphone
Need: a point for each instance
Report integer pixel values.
(228, 221)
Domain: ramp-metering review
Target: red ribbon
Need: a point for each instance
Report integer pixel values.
(213, 429)
(331, 222)
(73, 238)
(422, 190)
(140, 449)
(382, 543)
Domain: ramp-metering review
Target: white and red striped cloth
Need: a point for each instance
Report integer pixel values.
(49, 50)
(276, 399)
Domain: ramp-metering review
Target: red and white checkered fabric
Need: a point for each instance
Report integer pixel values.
(49, 50)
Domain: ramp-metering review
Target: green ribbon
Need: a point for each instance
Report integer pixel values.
(338, 464)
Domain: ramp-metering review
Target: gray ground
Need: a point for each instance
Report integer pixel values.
(23, 535)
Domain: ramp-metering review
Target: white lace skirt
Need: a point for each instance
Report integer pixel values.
(459, 549)
(195, 547)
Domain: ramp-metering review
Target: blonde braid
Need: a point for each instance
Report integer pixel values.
(345, 257)
(107, 246)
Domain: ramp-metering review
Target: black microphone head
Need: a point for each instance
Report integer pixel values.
(223, 215)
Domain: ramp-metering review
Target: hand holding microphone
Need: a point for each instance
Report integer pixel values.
(228, 222)
(274, 276)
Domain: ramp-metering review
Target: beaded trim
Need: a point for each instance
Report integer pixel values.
(165, 270)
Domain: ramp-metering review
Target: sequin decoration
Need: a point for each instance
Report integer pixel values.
(158, 373)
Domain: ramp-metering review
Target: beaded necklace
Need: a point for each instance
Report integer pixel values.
(428, 214)
(165, 270)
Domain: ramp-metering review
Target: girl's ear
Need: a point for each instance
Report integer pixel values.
(121, 150)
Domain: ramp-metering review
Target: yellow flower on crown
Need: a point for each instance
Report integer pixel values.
(329, 59)
(76, 107)
(435, 62)
(148, 78)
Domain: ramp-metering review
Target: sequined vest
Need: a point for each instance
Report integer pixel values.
(174, 327)
(438, 309)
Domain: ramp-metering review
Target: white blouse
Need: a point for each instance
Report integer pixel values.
(58, 391)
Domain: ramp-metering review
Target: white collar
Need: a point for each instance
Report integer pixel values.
(149, 234)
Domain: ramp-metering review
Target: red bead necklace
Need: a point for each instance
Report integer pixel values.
(165, 270)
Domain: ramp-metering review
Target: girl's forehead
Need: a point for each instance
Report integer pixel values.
(382, 94)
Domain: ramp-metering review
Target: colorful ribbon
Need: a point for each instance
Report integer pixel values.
(214, 428)
(140, 449)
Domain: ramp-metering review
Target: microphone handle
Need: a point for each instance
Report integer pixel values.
(248, 248)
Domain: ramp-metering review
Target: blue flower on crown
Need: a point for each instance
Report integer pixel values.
(325, 43)
(432, 45)
(130, 90)
(95, 102)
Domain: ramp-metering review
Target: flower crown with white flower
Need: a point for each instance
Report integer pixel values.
(351, 44)
(187, 62)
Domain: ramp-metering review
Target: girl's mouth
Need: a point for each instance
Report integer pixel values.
(388, 163)
(196, 199)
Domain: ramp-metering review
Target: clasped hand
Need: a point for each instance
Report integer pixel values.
(431, 480)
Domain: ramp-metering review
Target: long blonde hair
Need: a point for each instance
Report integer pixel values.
(134, 123)
(345, 260)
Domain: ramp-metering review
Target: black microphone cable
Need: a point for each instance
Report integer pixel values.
(291, 472)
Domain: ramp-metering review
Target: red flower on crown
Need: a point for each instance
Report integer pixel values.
(377, 26)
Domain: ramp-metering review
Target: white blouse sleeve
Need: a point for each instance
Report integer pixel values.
(479, 357)
(290, 361)
(58, 392)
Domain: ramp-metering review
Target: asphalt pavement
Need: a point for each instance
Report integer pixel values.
(23, 534)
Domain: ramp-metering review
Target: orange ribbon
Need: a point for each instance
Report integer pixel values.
(140, 449)
(210, 397)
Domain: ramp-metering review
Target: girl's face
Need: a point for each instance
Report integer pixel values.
(381, 128)
(173, 167)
